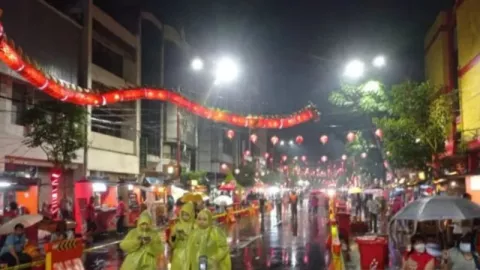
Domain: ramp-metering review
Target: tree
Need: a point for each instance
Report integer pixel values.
(195, 175)
(58, 128)
(246, 177)
(418, 124)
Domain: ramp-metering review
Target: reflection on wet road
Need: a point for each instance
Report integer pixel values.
(268, 243)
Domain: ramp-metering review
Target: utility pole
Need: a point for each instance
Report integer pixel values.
(85, 72)
(179, 144)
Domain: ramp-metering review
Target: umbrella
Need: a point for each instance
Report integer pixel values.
(223, 200)
(354, 190)
(25, 220)
(439, 208)
(192, 197)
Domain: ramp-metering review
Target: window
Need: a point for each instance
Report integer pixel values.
(19, 102)
(107, 59)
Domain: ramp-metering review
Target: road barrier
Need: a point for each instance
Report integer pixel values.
(64, 255)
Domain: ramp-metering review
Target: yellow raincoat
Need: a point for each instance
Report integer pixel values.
(181, 232)
(210, 242)
(140, 254)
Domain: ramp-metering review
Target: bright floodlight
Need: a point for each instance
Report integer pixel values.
(379, 61)
(371, 86)
(197, 64)
(355, 69)
(226, 71)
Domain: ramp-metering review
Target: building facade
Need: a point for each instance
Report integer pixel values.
(95, 52)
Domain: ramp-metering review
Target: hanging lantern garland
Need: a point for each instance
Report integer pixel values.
(299, 139)
(230, 134)
(74, 94)
(324, 139)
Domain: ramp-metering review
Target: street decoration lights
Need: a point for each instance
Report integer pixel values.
(274, 140)
(237, 171)
(299, 139)
(282, 143)
(253, 138)
(344, 157)
(324, 159)
(379, 133)
(230, 134)
(224, 166)
(291, 142)
(364, 155)
(351, 137)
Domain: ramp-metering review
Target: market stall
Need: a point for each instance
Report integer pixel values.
(105, 196)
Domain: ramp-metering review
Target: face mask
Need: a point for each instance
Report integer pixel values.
(465, 247)
(420, 248)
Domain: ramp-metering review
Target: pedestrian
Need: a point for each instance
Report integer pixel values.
(262, 201)
(278, 205)
(293, 203)
(358, 206)
(90, 218)
(461, 257)
(207, 245)
(315, 203)
(120, 216)
(417, 258)
(142, 245)
(178, 239)
(373, 208)
(62, 232)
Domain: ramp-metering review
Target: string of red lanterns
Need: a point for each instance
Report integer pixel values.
(74, 94)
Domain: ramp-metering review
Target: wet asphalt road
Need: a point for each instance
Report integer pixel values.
(269, 243)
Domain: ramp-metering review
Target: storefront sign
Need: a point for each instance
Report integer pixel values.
(55, 179)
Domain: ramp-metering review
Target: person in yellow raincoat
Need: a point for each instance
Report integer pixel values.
(142, 245)
(179, 236)
(208, 244)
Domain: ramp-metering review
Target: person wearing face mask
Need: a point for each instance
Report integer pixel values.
(179, 237)
(207, 245)
(461, 257)
(417, 258)
(142, 245)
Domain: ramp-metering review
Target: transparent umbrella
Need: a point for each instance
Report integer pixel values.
(223, 200)
(439, 208)
(25, 220)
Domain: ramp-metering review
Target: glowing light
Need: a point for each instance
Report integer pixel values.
(371, 86)
(291, 142)
(99, 187)
(282, 143)
(197, 64)
(226, 71)
(379, 61)
(5, 184)
(130, 187)
(344, 157)
(331, 192)
(354, 69)
(237, 171)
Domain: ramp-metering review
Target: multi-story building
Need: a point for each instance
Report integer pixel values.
(94, 52)
(452, 48)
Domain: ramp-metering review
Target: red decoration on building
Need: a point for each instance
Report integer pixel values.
(379, 133)
(55, 175)
(74, 94)
(253, 138)
(230, 134)
(351, 136)
(324, 139)
(299, 139)
(274, 140)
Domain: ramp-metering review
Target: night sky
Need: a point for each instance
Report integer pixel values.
(293, 51)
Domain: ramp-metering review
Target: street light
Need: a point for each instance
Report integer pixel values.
(197, 64)
(291, 142)
(354, 69)
(379, 61)
(226, 70)
(170, 169)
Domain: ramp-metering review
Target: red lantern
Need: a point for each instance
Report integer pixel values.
(324, 139)
(253, 138)
(266, 155)
(230, 134)
(284, 158)
(299, 139)
(274, 140)
(246, 153)
(351, 137)
(324, 158)
(379, 133)
(304, 158)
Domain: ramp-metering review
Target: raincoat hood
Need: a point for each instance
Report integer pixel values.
(208, 215)
(188, 208)
(144, 218)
